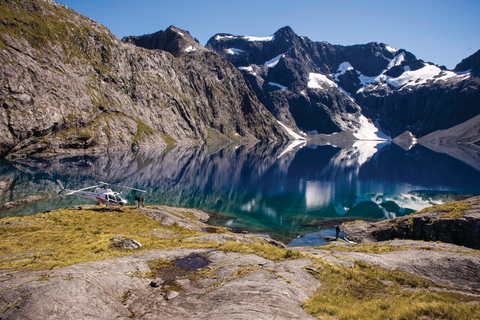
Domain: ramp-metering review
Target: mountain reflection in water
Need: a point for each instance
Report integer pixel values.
(284, 190)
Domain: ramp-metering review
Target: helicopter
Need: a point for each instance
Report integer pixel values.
(100, 194)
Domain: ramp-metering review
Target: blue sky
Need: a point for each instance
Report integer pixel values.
(440, 31)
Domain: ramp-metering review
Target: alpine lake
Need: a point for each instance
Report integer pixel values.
(294, 192)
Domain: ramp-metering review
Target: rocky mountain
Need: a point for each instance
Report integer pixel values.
(67, 85)
(318, 87)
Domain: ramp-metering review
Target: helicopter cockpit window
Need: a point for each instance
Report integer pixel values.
(111, 198)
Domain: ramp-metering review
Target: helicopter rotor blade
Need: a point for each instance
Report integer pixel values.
(133, 188)
(73, 191)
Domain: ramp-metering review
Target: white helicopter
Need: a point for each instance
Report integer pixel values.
(100, 194)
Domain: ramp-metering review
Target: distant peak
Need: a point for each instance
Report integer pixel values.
(172, 28)
(285, 32)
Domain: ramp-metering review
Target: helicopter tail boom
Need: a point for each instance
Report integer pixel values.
(62, 189)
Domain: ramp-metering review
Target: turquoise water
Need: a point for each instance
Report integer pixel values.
(287, 191)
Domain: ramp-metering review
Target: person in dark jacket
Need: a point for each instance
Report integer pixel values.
(337, 230)
(137, 201)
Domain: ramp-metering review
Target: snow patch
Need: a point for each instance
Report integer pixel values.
(278, 85)
(219, 37)
(249, 38)
(391, 49)
(368, 131)
(416, 77)
(234, 51)
(273, 62)
(319, 81)
(410, 77)
(397, 60)
(342, 68)
(190, 49)
(247, 69)
(291, 133)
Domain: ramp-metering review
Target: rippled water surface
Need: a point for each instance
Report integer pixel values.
(288, 191)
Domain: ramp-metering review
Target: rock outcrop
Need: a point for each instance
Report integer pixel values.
(436, 224)
(68, 85)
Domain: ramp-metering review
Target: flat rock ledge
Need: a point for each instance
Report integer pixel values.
(428, 226)
(230, 286)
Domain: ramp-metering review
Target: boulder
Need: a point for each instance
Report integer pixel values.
(124, 243)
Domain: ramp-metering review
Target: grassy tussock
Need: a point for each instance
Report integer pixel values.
(369, 292)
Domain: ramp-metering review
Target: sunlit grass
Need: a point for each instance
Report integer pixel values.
(369, 292)
(69, 236)
(452, 209)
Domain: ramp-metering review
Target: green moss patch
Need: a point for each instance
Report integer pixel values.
(143, 131)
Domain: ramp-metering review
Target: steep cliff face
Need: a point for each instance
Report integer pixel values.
(319, 87)
(67, 85)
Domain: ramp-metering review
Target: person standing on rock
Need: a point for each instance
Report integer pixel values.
(337, 231)
(143, 201)
(137, 201)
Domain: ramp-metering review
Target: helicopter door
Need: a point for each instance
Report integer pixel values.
(111, 198)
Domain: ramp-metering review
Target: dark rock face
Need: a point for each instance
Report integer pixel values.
(391, 87)
(76, 88)
(174, 40)
(471, 64)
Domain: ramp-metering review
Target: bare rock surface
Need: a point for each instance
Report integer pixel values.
(445, 264)
(231, 286)
(185, 218)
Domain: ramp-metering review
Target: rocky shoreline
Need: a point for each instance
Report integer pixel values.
(218, 283)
